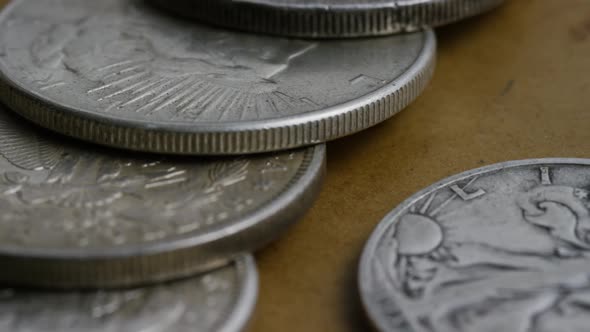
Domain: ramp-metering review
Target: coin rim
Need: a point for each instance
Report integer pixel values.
(306, 183)
(180, 257)
(233, 318)
(364, 272)
(331, 20)
(224, 138)
(245, 305)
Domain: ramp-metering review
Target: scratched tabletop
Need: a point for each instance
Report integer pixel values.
(512, 84)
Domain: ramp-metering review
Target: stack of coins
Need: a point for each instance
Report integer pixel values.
(152, 145)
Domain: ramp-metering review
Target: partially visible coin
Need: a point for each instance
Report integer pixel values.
(83, 216)
(120, 73)
(329, 18)
(500, 248)
(218, 301)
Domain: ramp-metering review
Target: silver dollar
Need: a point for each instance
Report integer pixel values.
(329, 18)
(80, 216)
(119, 73)
(220, 301)
(501, 248)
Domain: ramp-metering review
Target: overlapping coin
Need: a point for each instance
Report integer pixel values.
(120, 73)
(218, 301)
(82, 216)
(328, 18)
(500, 248)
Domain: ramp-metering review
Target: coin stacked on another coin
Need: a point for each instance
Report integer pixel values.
(158, 241)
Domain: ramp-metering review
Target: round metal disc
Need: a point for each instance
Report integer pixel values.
(119, 73)
(84, 216)
(220, 301)
(328, 18)
(500, 248)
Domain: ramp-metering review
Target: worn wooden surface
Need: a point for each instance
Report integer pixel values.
(511, 84)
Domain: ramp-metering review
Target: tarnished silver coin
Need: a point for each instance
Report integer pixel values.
(119, 73)
(329, 18)
(500, 248)
(218, 301)
(84, 216)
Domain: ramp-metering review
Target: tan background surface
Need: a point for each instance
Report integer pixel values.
(512, 84)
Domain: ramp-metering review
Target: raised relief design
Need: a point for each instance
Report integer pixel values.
(172, 74)
(473, 264)
(93, 198)
(465, 196)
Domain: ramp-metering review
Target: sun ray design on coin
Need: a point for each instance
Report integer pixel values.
(502, 248)
(136, 72)
(422, 224)
(123, 74)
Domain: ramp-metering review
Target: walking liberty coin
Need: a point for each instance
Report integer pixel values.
(79, 216)
(329, 18)
(500, 248)
(119, 73)
(221, 300)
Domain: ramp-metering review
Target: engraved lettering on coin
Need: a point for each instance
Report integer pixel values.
(504, 248)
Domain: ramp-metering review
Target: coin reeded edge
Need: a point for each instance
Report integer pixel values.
(241, 138)
(365, 266)
(210, 138)
(329, 21)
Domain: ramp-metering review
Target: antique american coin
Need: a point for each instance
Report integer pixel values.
(328, 18)
(218, 301)
(85, 216)
(500, 248)
(120, 73)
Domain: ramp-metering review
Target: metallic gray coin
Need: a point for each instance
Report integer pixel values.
(119, 73)
(500, 248)
(83, 216)
(220, 301)
(328, 18)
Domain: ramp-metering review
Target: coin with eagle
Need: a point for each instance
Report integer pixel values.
(76, 215)
(500, 248)
(123, 74)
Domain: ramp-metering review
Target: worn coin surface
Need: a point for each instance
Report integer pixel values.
(500, 248)
(119, 73)
(85, 216)
(220, 301)
(328, 18)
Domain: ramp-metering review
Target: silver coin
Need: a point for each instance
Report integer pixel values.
(220, 301)
(500, 248)
(84, 216)
(119, 73)
(329, 18)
